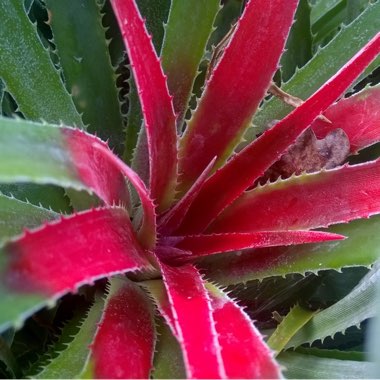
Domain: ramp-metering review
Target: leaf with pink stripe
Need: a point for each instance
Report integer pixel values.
(236, 87)
(205, 245)
(124, 343)
(59, 257)
(195, 327)
(306, 201)
(244, 352)
(251, 163)
(156, 103)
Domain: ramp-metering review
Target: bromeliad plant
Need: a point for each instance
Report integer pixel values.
(160, 237)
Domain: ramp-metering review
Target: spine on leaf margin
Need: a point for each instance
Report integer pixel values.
(249, 164)
(155, 100)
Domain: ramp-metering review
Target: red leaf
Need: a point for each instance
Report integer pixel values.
(237, 85)
(124, 344)
(308, 201)
(155, 100)
(204, 245)
(76, 250)
(94, 169)
(250, 164)
(147, 230)
(357, 115)
(174, 217)
(193, 321)
(244, 353)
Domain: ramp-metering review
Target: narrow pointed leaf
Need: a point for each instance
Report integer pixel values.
(291, 323)
(248, 165)
(361, 248)
(147, 231)
(124, 344)
(357, 306)
(93, 244)
(189, 303)
(204, 245)
(301, 366)
(26, 64)
(16, 215)
(357, 115)
(155, 101)
(325, 62)
(41, 153)
(307, 201)
(187, 31)
(244, 353)
(155, 15)
(46, 154)
(224, 112)
(80, 40)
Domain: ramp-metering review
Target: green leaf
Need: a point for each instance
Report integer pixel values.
(298, 45)
(47, 196)
(321, 7)
(321, 67)
(373, 344)
(89, 76)
(328, 24)
(361, 248)
(187, 32)
(68, 360)
(168, 360)
(332, 354)
(358, 305)
(32, 152)
(15, 215)
(27, 71)
(291, 323)
(300, 366)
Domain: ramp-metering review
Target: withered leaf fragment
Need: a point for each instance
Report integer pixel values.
(309, 154)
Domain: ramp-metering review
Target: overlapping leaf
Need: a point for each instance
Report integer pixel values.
(155, 100)
(92, 245)
(224, 110)
(248, 165)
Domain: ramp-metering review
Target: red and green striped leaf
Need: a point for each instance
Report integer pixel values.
(155, 100)
(67, 157)
(224, 111)
(59, 257)
(193, 321)
(124, 343)
(205, 245)
(357, 115)
(248, 165)
(306, 201)
(244, 352)
(359, 249)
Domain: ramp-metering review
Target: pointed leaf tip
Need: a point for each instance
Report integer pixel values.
(155, 100)
(250, 164)
(225, 108)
